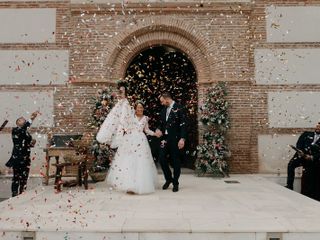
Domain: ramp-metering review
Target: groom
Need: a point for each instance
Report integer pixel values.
(172, 131)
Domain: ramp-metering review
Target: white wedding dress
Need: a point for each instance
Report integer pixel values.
(132, 168)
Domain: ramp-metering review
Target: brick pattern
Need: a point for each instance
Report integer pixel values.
(213, 41)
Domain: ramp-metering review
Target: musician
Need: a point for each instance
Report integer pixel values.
(20, 159)
(309, 144)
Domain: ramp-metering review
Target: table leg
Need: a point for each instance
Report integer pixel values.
(85, 175)
(46, 180)
(57, 182)
(60, 179)
(80, 174)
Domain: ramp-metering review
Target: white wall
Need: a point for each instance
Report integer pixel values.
(274, 152)
(287, 66)
(45, 67)
(293, 109)
(27, 25)
(288, 109)
(293, 24)
(37, 154)
(16, 104)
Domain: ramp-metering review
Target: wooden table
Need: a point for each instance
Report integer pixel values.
(82, 173)
(56, 152)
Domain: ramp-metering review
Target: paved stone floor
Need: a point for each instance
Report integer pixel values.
(204, 208)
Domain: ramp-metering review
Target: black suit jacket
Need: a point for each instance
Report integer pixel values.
(176, 123)
(304, 143)
(21, 139)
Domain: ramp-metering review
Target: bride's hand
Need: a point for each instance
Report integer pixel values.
(181, 143)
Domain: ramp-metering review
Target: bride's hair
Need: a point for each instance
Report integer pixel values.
(137, 103)
(123, 84)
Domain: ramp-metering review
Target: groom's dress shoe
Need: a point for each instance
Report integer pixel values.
(175, 188)
(166, 185)
(289, 187)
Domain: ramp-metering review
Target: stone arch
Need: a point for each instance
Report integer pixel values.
(160, 31)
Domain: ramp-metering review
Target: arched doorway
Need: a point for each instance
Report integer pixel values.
(163, 68)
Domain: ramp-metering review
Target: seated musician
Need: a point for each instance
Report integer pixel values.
(308, 152)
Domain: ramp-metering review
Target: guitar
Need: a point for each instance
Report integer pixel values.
(296, 149)
(301, 153)
(3, 125)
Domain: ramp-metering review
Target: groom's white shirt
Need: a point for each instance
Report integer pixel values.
(168, 113)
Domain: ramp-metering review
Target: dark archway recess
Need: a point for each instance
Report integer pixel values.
(159, 69)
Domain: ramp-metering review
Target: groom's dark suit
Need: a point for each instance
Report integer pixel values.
(173, 128)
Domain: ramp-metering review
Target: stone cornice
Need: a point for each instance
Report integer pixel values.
(162, 7)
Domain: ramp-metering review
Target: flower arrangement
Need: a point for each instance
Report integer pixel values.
(103, 102)
(213, 152)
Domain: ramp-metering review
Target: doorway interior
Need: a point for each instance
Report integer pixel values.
(159, 69)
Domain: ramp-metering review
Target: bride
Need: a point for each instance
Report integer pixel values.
(133, 169)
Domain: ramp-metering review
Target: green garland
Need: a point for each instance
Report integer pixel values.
(102, 103)
(213, 152)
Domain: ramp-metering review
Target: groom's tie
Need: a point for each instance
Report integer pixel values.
(168, 113)
(167, 116)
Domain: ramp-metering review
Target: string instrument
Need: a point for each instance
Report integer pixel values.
(3, 125)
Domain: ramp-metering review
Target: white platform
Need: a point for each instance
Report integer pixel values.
(205, 208)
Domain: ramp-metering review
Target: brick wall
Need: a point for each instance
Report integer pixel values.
(216, 41)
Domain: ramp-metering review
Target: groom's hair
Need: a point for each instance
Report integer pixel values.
(166, 95)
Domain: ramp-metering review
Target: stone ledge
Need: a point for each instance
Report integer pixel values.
(168, 6)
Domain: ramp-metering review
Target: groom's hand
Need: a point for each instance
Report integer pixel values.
(34, 115)
(158, 133)
(181, 143)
